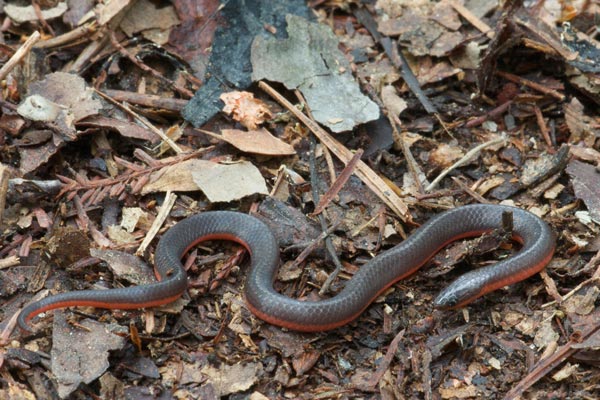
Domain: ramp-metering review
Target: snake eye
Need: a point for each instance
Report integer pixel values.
(445, 301)
(451, 302)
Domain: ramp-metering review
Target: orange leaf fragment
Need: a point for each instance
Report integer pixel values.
(245, 109)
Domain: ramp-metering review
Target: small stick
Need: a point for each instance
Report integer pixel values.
(19, 54)
(531, 84)
(9, 261)
(84, 31)
(546, 365)
(147, 100)
(473, 19)
(543, 128)
(326, 152)
(338, 184)
(183, 91)
(366, 174)
(162, 215)
(145, 122)
(328, 243)
(4, 177)
(467, 157)
(491, 114)
(413, 167)
(470, 191)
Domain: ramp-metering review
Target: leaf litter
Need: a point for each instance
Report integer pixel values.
(493, 122)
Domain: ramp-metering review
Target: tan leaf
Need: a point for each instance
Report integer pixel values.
(259, 141)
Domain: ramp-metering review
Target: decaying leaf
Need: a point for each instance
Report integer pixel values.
(586, 183)
(80, 355)
(230, 182)
(245, 109)
(38, 108)
(126, 266)
(235, 378)
(309, 60)
(218, 182)
(21, 14)
(259, 141)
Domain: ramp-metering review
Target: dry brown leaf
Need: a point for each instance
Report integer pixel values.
(259, 141)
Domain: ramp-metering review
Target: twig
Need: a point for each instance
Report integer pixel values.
(182, 91)
(543, 367)
(338, 184)
(387, 360)
(88, 53)
(147, 100)
(413, 167)
(309, 247)
(6, 332)
(470, 191)
(543, 128)
(366, 174)
(491, 114)
(4, 175)
(162, 215)
(78, 184)
(391, 50)
(531, 84)
(325, 232)
(326, 152)
(40, 17)
(467, 157)
(19, 54)
(84, 31)
(144, 121)
(473, 19)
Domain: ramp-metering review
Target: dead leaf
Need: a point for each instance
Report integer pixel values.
(224, 183)
(67, 245)
(20, 14)
(144, 15)
(132, 216)
(80, 355)
(120, 236)
(60, 99)
(565, 372)
(259, 141)
(586, 184)
(16, 391)
(309, 60)
(176, 177)
(38, 108)
(303, 362)
(581, 125)
(69, 91)
(394, 103)
(218, 182)
(244, 108)
(126, 266)
(235, 378)
(125, 128)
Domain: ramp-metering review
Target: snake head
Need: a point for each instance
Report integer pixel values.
(460, 292)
